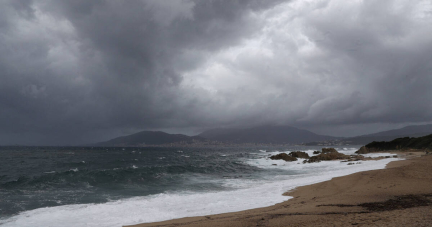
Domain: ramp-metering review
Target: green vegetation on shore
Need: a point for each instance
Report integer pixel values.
(405, 143)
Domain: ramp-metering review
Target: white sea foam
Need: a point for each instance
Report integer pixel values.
(375, 155)
(251, 194)
(149, 208)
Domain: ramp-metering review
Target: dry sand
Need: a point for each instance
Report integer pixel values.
(400, 195)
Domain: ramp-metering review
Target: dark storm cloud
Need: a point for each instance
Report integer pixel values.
(78, 71)
(82, 71)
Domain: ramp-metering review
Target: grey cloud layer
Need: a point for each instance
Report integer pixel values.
(82, 71)
(336, 63)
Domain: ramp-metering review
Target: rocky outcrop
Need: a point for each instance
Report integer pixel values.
(357, 158)
(328, 150)
(317, 152)
(283, 156)
(362, 150)
(327, 155)
(299, 154)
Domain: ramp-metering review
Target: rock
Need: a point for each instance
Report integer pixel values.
(351, 163)
(299, 154)
(329, 155)
(283, 156)
(328, 150)
(395, 156)
(356, 158)
(362, 150)
(316, 152)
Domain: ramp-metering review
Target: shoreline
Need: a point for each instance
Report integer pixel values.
(341, 201)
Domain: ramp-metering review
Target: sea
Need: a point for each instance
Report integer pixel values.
(102, 186)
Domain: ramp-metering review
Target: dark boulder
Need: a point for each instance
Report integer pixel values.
(328, 150)
(299, 154)
(283, 156)
(316, 152)
(362, 150)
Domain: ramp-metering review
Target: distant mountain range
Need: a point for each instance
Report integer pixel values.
(146, 138)
(260, 135)
(256, 135)
(408, 131)
(264, 135)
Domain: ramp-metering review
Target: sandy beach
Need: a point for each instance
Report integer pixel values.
(400, 195)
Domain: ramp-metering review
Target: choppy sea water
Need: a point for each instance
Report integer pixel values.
(82, 186)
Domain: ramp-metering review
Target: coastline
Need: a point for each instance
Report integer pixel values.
(400, 194)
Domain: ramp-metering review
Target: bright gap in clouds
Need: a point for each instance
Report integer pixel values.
(328, 62)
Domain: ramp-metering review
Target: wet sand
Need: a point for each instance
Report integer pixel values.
(400, 195)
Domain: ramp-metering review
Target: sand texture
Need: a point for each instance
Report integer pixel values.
(400, 195)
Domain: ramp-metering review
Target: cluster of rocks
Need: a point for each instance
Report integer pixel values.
(326, 154)
(292, 156)
(283, 156)
(299, 154)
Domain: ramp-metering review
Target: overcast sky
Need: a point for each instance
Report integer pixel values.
(74, 72)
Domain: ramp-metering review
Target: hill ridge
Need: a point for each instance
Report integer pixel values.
(264, 134)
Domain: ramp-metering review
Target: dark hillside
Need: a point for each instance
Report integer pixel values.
(150, 138)
(420, 143)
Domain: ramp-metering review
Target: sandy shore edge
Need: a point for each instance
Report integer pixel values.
(399, 195)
